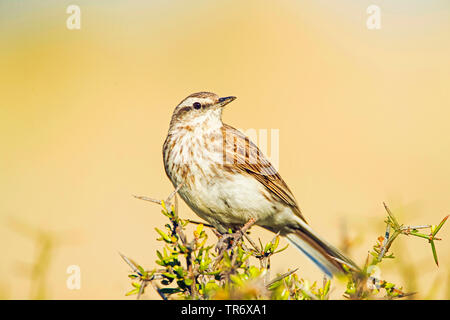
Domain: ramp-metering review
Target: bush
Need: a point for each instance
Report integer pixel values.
(189, 268)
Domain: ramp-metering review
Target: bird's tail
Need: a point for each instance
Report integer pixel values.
(328, 258)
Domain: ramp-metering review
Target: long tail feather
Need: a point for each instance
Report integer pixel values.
(328, 258)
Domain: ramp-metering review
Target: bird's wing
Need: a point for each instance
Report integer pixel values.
(242, 155)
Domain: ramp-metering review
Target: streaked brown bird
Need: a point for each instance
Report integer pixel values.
(227, 181)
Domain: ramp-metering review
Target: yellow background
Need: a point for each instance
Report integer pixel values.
(363, 118)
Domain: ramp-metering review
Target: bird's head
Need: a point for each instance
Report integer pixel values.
(200, 108)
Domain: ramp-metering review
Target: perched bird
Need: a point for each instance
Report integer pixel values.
(227, 181)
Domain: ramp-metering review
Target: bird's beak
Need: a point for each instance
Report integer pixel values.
(224, 101)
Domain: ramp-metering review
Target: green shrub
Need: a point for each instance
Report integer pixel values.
(190, 268)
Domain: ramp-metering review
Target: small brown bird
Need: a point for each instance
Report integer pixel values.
(227, 180)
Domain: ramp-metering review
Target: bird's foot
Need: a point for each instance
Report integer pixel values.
(229, 240)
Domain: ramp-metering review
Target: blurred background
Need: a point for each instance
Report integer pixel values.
(363, 117)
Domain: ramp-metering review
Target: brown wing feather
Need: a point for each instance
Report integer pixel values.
(242, 155)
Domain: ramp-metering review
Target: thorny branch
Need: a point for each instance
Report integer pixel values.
(160, 202)
(201, 273)
(392, 223)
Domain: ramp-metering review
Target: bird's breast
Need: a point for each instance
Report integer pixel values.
(192, 157)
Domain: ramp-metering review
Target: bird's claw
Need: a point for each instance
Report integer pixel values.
(227, 240)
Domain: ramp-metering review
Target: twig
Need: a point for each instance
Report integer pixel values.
(280, 277)
(158, 289)
(198, 222)
(174, 192)
(141, 289)
(148, 199)
(385, 241)
(392, 222)
(391, 216)
(408, 228)
(251, 242)
(131, 263)
(167, 201)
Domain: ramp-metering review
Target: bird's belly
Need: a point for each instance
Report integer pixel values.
(229, 199)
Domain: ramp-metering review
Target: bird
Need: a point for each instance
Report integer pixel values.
(227, 181)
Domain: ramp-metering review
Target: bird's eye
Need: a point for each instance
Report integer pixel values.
(197, 105)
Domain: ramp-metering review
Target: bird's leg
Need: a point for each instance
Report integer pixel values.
(230, 240)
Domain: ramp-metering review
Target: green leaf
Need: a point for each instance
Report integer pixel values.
(199, 230)
(169, 290)
(226, 259)
(165, 237)
(254, 272)
(142, 271)
(389, 285)
(275, 285)
(169, 275)
(179, 270)
(276, 243)
(214, 273)
(211, 286)
(130, 293)
(440, 225)
(420, 235)
(260, 243)
(237, 279)
(183, 248)
(163, 204)
(282, 249)
(326, 289)
(433, 248)
(391, 217)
